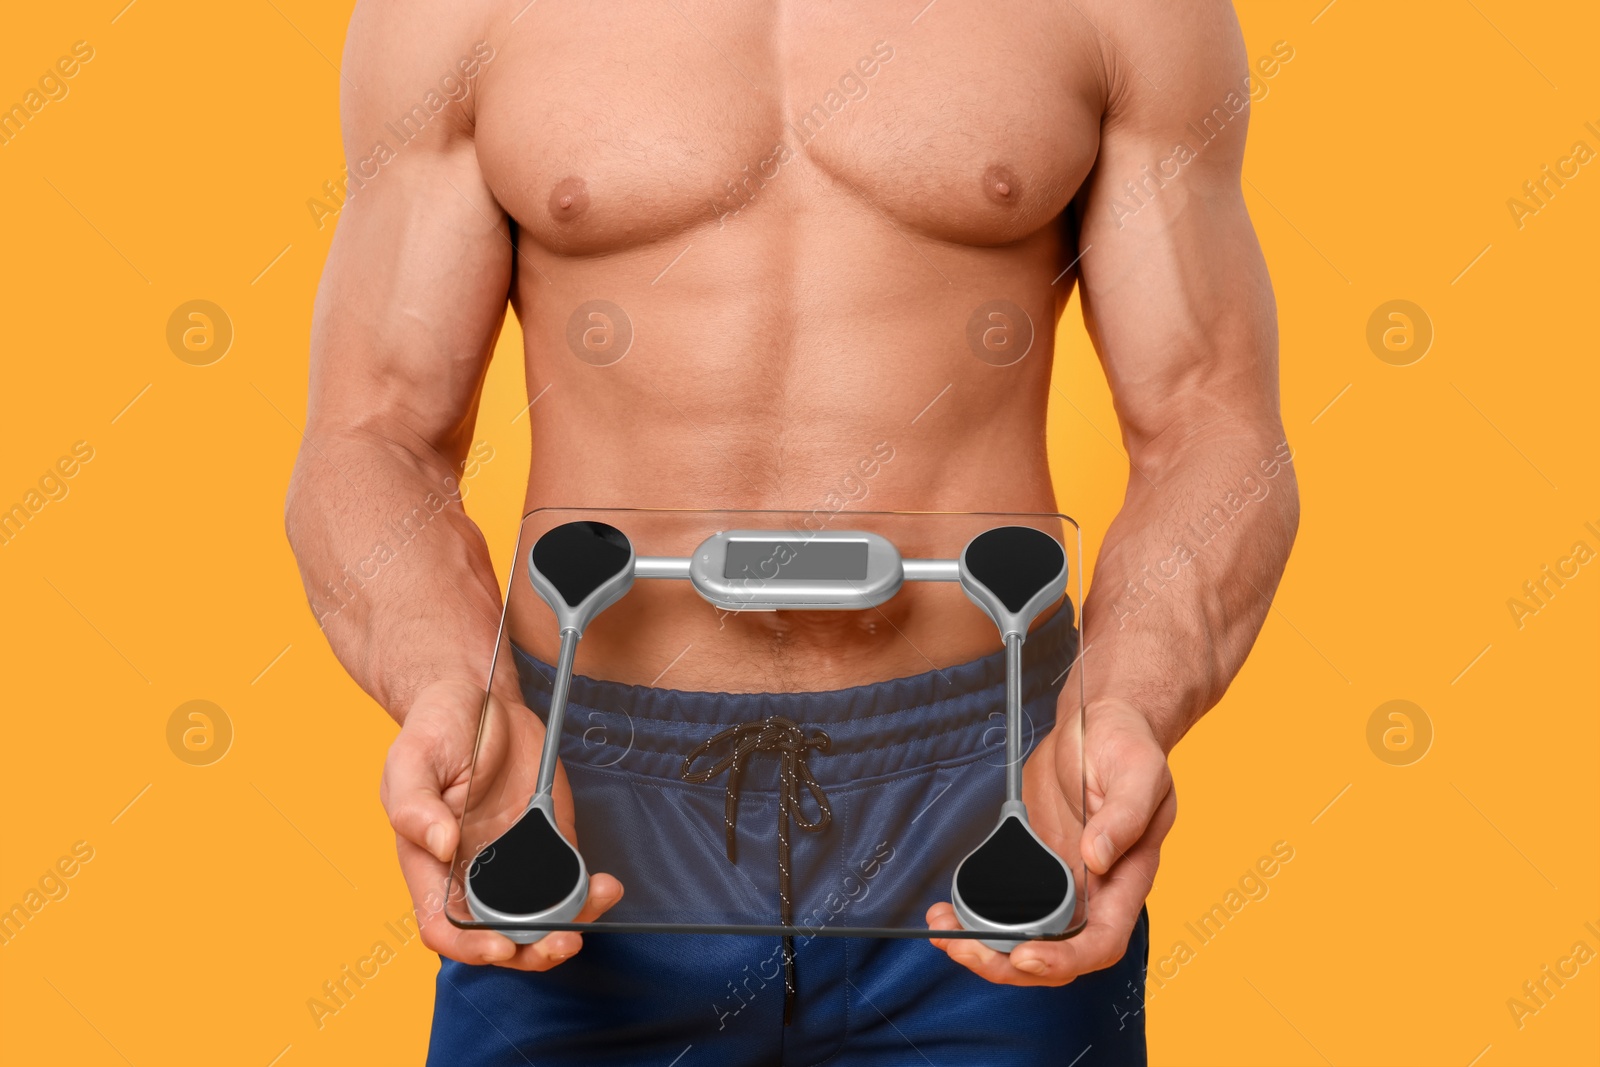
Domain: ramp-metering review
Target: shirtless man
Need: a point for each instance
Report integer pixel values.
(800, 211)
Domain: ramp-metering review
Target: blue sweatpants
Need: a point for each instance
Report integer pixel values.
(913, 773)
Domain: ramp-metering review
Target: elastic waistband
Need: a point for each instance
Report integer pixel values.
(943, 715)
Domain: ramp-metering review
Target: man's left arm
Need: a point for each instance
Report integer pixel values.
(1178, 303)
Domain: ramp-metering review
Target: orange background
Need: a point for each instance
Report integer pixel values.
(1422, 893)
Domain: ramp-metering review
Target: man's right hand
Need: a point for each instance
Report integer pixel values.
(424, 789)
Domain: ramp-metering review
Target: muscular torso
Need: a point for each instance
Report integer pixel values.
(744, 268)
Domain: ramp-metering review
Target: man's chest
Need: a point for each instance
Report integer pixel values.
(604, 127)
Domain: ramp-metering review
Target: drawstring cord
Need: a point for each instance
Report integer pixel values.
(782, 736)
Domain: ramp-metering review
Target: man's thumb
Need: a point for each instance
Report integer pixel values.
(416, 809)
(1131, 799)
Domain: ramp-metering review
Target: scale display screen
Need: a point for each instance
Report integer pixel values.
(835, 561)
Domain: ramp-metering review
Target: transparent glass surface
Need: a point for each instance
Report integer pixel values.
(873, 739)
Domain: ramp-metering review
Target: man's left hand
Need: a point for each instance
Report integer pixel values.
(1131, 806)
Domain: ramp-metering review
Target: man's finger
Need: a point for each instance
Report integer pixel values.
(561, 945)
(975, 956)
(426, 880)
(1114, 905)
(478, 947)
(604, 892)
(1055, 963)
(1134, 787)
(1048, 963)
(984, 962)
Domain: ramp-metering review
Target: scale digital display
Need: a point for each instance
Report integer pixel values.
(828, 561)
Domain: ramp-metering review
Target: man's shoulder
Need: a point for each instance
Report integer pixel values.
(1159, 53)
(410, 57)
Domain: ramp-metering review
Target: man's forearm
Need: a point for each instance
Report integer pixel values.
(397, 574)
(1185, 576)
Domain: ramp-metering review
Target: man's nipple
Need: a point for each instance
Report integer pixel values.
(1000, 185)
(569, 199)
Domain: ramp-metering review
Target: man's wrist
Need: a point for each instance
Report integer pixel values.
(457, 689)
(1164, 727)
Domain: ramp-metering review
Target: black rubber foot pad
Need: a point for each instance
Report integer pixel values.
(1014, 562)
(530, 869)
(579, 557)
(1012, 879)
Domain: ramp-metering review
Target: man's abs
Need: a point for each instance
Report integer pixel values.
(746, 281)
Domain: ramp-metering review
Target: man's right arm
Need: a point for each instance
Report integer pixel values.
(409, 308)
(411, 303)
